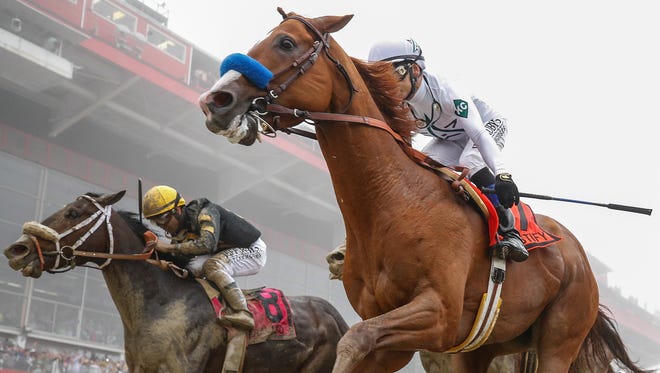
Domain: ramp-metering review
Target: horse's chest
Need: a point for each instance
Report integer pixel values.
(376, 294)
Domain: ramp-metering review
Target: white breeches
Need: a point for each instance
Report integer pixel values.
(237, 261)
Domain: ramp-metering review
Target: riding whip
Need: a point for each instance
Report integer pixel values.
(140, 198)
(612, 206)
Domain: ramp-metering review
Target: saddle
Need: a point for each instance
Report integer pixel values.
(533, 236)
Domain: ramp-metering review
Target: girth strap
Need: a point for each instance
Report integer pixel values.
(489, 309)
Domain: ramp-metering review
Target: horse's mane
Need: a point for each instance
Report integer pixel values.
(134, 223)
(383, 87)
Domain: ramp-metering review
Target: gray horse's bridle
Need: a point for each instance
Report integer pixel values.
(34, 230)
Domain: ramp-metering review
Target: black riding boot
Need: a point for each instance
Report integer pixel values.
(511, 244)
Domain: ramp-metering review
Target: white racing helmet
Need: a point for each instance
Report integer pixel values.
(397, 51)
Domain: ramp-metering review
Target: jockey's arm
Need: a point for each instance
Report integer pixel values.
(476, 131)
(209, 235)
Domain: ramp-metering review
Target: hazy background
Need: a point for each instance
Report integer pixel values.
(577, 80)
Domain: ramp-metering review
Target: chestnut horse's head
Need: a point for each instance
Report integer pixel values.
(272, 72)
(52, 244)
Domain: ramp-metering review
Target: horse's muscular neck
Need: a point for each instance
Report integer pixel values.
(134, 284)
(365, 165)
(126, 283)
(369, 170)
(373, 157)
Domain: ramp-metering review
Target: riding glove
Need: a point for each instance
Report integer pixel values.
(506, 190)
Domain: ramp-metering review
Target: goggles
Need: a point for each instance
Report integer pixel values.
(402, 69)
(162, 219)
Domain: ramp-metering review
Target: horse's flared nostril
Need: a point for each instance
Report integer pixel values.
(216, 103)
(222, 99)
(17, 250)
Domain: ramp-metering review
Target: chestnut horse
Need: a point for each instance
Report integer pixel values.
(169, 324)
(416, 262)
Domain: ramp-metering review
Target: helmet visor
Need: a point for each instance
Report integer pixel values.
(162, 219)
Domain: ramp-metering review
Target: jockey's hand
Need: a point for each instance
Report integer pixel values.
(165, 247)
(150, 239)
(506, 190)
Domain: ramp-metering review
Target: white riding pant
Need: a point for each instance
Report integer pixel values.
(241, 261)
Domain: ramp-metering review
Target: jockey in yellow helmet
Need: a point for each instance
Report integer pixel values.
(220, 243)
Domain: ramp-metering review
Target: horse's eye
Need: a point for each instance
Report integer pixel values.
(287, 44)
(72, 214)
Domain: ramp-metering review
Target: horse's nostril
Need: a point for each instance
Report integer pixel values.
(338, 256)
(222, 99)
(17, 250)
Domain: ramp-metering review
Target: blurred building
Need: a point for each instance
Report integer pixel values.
(95, 94)
(639, 328)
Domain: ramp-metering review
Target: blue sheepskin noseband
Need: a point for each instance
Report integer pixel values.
(252, 69)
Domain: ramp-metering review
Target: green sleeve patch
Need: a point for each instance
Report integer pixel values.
(461, 108)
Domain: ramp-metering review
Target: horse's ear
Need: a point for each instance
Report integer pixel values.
(282, 12)
(111, 198)
(330, 24)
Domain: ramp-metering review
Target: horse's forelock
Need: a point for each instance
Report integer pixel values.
(383, 86)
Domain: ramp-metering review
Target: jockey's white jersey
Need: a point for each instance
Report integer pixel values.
(448, 115)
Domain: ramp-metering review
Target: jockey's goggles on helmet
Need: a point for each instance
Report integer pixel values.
(402, 69)
(162, 219)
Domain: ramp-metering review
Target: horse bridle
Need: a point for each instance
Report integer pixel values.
(35, 230)
(266, 104)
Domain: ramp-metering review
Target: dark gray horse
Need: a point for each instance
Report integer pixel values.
(169, 324)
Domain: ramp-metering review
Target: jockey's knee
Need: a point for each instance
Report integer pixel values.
(219, 262)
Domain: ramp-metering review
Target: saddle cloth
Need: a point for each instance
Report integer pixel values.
(532, 235)
(273, 319)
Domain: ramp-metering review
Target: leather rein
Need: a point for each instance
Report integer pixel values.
(266, 104)
(35, 230)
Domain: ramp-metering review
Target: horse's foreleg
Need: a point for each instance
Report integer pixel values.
(417, 325)
(384, 361)
(356, 353)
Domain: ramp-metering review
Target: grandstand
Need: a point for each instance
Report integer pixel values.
(98, 93)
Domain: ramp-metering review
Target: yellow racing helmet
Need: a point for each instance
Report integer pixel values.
(160, 199)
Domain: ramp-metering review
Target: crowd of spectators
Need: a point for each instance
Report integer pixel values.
(35, 358)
